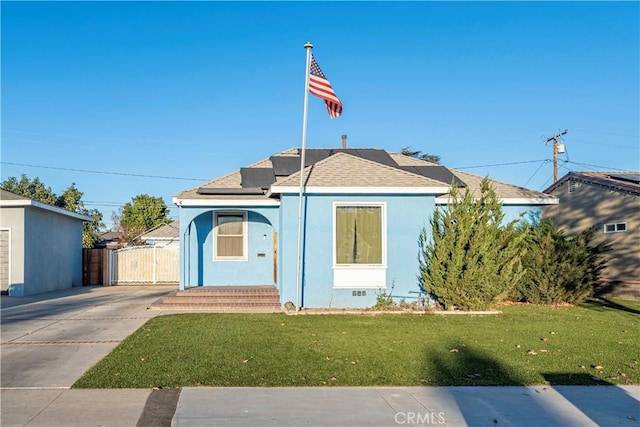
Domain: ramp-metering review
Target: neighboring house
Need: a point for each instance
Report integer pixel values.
(165, 235)
(155, 261)
(40, 246)
(610, 203)
(108, 239)
(363, 211)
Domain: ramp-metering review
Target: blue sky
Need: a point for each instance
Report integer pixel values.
(192, 91)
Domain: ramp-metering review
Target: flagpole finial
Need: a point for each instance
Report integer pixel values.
(308, 45)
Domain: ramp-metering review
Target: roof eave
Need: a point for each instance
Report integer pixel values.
(43, 206)
(277, 189)
(539, 201)
(587, 179)
(213, 202)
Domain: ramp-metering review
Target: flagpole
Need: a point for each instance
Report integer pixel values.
(308, 46)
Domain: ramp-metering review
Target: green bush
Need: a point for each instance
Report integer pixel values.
(560, 268)
(472, 260)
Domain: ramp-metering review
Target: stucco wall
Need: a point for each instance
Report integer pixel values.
(53, 251)
(405, 217)
(46, 250)
(198, 266)
(591, 205)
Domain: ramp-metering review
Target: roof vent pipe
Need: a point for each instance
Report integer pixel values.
(344, 141)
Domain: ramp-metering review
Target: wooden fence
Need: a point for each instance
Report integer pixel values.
(95, 267)
(145, 264)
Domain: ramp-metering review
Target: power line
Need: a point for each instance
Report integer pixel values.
(544, 162)
(624, 135)
(502, 164)
(103, 172)
(601, 144)
(595, 166)
(202, 179)
(120, 205)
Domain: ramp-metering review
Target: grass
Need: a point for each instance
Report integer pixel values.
(596, 343)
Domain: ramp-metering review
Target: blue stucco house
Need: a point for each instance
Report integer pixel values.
(362, 213)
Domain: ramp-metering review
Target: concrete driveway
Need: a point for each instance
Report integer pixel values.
(50, 340)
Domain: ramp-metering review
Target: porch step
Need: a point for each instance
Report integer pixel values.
(222, 299)
(226, 299)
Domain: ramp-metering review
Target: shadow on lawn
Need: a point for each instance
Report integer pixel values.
(604, 303)
(463, 366)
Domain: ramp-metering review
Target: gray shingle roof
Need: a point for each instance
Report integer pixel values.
(503, 190)
(9, 199)
(166, 231)
(621, 181)
(361, 168)
(7, 195)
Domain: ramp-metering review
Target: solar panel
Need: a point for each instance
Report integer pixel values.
(375, 155)
(228, 191)
(285, 165)
(314, 155)
(627, 177)
(257, 177)
(438, 173)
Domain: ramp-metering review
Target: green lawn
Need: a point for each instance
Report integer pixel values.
(523, 345)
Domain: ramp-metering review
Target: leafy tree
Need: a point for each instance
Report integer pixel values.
(560, 268)
(70, 199)
(141, 214)
(32, 189)
(91, 229)
(433, 158)
(472, 260)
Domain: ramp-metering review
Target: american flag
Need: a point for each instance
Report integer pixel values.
(320, 87)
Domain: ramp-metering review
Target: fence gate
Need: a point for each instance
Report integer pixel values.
(95, 266)
(145, 264)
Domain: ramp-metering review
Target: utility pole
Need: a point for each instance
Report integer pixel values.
(554, 138)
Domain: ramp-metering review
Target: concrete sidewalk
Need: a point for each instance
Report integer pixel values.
(397, 406)
(50, 340)
(330, 406)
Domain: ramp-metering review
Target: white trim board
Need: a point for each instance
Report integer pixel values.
(43, 206)
(224, 202)
(275, 189)
(445, 200)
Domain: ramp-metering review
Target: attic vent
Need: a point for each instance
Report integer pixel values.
(572, 186)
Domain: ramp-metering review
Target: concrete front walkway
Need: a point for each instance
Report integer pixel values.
(50, 340)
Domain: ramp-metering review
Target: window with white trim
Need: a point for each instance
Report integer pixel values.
(615, 227)
(230, 236)
(359, 234)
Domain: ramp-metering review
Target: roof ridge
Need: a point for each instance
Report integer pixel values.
(340, 154)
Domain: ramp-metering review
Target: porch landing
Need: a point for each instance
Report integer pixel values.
(222, 299)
